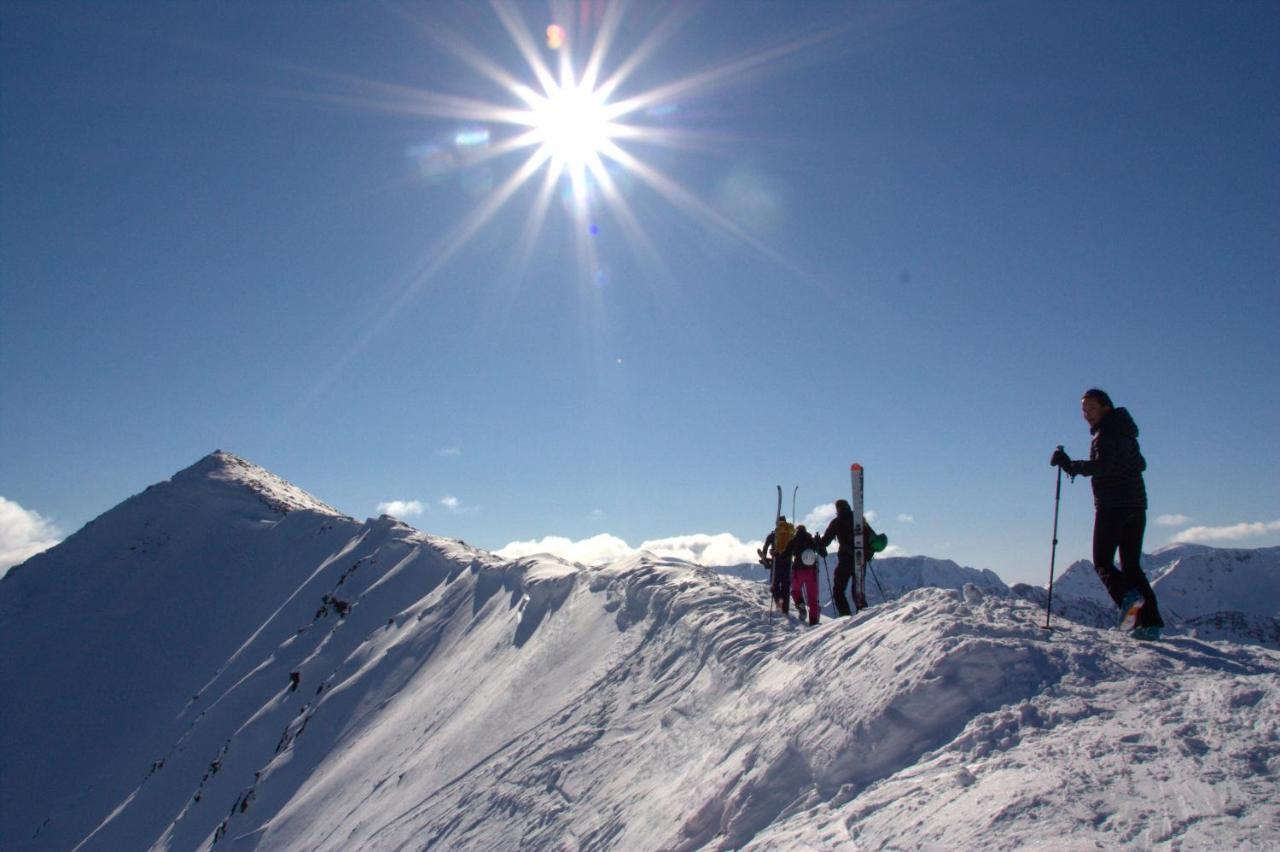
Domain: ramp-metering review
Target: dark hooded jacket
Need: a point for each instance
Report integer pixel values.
(1115, 463)
(841, 529)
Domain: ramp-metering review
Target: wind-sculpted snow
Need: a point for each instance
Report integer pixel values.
(365, 686)
(1168, 745)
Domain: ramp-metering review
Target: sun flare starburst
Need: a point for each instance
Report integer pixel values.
(578, 123)
(576, 128)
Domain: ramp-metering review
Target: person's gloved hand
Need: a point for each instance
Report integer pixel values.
(1061, 459)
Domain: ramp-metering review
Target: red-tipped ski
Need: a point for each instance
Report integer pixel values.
(859, 554)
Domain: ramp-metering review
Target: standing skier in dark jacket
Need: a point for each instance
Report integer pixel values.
(841, 529)
(1120, 503)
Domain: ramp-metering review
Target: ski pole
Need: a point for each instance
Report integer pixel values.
(883, 596)
(830, 586)
(1053, 551)
(773, 562)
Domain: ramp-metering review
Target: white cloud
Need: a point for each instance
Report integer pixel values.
(719, 549)
(590, 551)
(400, 508)
(23, 534)
(454, 505)
(453, 452)
(820, 516)
(1172, 520)
(701, 548)
(1234, 532)
(595, 515)
(906, 519)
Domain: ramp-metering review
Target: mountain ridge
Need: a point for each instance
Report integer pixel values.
(446, 696)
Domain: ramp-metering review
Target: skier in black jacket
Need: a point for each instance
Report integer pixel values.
(1120, 507)
(841, 529)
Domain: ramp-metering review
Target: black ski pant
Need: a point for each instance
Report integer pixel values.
(844, 573)
(781, 586)
(1122, 530)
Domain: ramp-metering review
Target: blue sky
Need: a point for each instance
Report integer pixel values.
(908, 235)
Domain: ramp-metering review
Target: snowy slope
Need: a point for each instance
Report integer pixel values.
(447, 698)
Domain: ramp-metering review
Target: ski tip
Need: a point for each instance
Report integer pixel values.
(855, 466)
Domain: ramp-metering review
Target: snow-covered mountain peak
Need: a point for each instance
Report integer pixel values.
(278, 494)
(1172, 552)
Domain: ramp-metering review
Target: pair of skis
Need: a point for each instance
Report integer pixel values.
(778, 511)
(859, 548)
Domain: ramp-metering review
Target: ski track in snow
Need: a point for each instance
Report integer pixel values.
(449, 699)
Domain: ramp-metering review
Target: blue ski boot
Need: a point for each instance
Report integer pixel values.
(1130, 606)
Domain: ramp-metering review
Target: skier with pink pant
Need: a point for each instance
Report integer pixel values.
(804, 572)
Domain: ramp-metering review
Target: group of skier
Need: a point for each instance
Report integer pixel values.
(791, 554)
(1115, 465)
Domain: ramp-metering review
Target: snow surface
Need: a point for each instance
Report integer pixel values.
(450, 699)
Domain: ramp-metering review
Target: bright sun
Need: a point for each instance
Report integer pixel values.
(570, 123)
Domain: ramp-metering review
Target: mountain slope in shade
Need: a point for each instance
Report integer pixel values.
(107, 635)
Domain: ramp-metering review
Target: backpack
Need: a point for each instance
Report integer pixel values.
(782, 534)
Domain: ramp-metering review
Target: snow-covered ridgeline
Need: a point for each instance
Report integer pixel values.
(448, 697)
(1206, 592)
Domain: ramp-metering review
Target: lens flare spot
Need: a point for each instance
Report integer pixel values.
(472, 137)
(752, 199)
(555, 36)
(433, 161)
